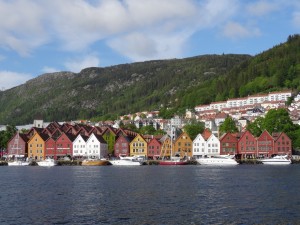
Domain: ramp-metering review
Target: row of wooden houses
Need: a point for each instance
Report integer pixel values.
(77, 140)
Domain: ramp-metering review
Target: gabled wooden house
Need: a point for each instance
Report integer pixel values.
(229, 144)
(138, 146)
(17, 146)
(36, 146)
(183, 145)
(154, 148)
(247, 146)
(122, 146)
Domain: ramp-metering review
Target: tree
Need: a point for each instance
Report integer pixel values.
(256, 127)
(194, 128)
(277, 120)
(147, 130)
(228, 126)
(6, 135)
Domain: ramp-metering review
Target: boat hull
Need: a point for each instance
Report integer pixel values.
(217, 162)
(18, 163)
(125, 163)
(172, 163)
(47, 163)
(95, 163)
(276, 162)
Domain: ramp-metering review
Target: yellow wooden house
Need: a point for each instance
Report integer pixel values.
(183, 145)
(138, 146)
(166, 147)
(36, 146)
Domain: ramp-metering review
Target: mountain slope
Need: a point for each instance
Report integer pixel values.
(114, 90)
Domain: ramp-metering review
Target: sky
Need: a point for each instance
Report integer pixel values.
(41, 36)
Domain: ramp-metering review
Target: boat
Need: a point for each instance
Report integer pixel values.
(47, 162)
(18, 163)
(173, 161)
(127, 161)
(218, 160)
(277, 160)
(95, 162)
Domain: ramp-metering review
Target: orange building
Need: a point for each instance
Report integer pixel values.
(183, 145)
(36, 146)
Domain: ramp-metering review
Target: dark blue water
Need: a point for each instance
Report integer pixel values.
(245, 194)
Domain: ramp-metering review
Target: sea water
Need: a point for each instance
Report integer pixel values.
(243, 194)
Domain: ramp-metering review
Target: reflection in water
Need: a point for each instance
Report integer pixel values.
(150, 195)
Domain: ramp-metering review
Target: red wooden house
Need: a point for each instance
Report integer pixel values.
(17, 146)
(122, 146)
(265, 145)
(247, 146)
(154, 148)
(229, 144)
(282, 144)
(64, 145)
(50, 148)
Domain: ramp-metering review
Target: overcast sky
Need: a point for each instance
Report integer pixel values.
(41, 36)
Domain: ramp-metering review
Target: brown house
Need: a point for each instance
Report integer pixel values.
(122, 146)
(229, 144)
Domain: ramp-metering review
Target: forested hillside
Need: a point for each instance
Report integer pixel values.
(111, 91)
(105, 93)
(275, 69)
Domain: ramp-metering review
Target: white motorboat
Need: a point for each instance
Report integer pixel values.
(47, 162)
(127, 161)
(277, 160)
(18, 163)
(218, 160)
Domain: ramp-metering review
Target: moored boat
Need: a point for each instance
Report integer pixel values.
(277, 160)
(173, 162)
(219, 160)
(95, 162)
(47, 162)
(18, 163)
(127, 161)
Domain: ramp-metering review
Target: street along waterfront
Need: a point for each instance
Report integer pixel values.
(246, 194)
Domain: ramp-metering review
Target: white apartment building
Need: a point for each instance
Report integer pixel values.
(250, 100)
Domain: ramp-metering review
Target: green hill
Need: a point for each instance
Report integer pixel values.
(128, 88)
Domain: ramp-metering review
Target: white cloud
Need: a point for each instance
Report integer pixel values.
(47, 69)
(9, 79)
(76, 65)
(296, 19)
(21, 27)
(234, 30)
(261, 8)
